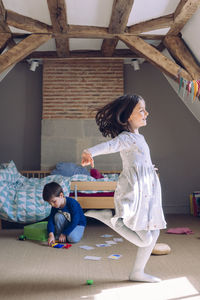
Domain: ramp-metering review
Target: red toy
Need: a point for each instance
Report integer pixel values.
(67, 246)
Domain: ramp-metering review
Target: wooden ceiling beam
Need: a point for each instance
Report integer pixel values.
(62, 46)
(57, 9)
(4, 37)
(156, 58)
(183, 13)
(94, 32)
(157, 23)
(108, 46)
(118, 53)
(21, 50)
(3, 26)
(79, 31)
(160, 47)
(180, 51)
(150, 36)
(120, 13)
(119, 18)
(22, 22)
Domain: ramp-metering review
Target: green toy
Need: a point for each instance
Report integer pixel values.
(36, 231)
(22, 237)
(89, 282)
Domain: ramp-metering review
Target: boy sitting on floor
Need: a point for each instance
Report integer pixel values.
(66, 222)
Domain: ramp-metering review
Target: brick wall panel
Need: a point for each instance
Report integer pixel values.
(73, 88)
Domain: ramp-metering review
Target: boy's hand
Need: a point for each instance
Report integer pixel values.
(51, 239)
(86, 159)
(62, 238)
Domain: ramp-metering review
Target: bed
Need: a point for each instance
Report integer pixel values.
(21, 192)
(90, 194)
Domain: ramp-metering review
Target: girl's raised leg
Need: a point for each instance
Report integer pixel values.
(141, 238)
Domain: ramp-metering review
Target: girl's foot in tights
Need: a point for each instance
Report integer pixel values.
(142, 257)
(141, 276)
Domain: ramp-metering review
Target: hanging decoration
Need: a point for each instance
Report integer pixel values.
(192, 87)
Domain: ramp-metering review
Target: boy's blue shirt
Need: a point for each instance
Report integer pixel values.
(76, 213)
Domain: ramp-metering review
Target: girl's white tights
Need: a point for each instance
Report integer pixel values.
(145, 240)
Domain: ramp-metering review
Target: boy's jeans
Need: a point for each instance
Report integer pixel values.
(61, 222)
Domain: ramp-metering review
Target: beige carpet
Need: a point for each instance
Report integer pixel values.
(32, 270)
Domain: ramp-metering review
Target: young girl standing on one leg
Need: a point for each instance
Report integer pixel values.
(138, 208)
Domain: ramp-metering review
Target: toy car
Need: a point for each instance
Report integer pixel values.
(22, 237)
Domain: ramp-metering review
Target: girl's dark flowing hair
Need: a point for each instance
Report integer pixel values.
(112, 118)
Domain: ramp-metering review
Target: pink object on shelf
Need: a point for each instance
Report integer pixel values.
(180, 230)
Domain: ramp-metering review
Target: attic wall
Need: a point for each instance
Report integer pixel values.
(71, 91)
(20, 117)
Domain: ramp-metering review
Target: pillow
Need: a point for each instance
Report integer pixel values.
(9, 172)
(69, 169)
(96, 174)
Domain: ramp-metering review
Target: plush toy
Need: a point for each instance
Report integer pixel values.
(161, 249)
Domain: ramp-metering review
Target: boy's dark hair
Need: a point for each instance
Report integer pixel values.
(52, 189)
(112, 118)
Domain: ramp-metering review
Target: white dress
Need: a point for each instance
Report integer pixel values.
(138, 194)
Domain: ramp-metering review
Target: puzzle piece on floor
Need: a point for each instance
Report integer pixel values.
(106, 235)
(111, 242)
(103, 245)
(92, 257)
(115, 256)
(118, 240)
(86, 247)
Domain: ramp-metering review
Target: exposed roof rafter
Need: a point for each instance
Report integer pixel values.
(57, 9)
(178, 49)
(21, 50)
(183, 13)
(119, 18)
(3, 26)
(22, 22)
(157, 23)
(4, 37)
(4, 29)
(79, 54)
(152, 55)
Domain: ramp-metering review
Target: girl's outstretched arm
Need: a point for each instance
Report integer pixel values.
(123, 141)
(86, 159)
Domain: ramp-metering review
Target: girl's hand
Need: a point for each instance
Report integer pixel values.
(51, 239)
(156, 169)
(86, 159)
(62, 238)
